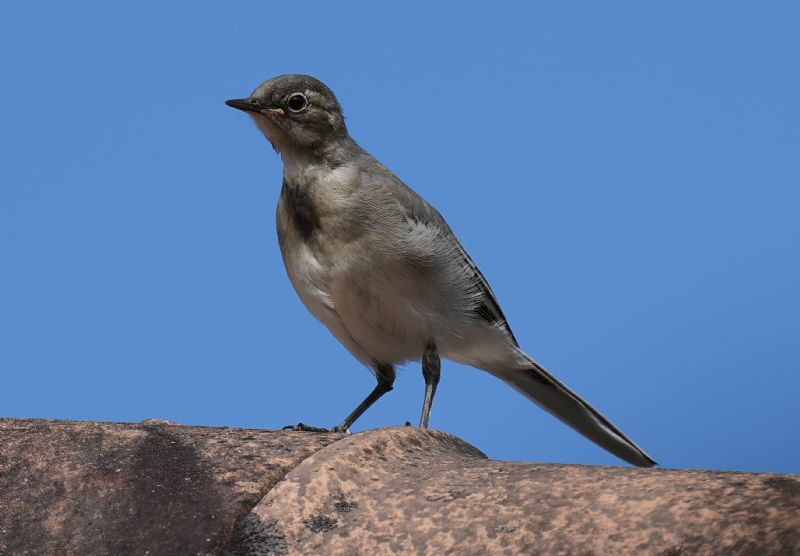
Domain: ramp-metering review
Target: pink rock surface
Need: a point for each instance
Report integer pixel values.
(84, 488)
(411, 491)
(156, 488)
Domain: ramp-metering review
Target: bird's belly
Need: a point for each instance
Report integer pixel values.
(307, 276)
(379, 310)
(310, 279)
(390, 312)
(387, 326)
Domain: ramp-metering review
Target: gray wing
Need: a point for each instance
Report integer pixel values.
(489, 309)
(417, 209)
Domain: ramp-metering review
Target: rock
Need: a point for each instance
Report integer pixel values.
(69, 487)
(410, 491)
(161, 488)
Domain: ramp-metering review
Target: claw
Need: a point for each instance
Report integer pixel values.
(302, 427)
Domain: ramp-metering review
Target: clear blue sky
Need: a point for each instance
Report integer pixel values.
(626, 176)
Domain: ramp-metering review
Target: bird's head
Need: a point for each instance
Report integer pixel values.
(295, 112)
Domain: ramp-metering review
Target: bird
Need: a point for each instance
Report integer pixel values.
(383, 271)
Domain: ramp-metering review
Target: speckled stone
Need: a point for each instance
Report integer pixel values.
(86, 488)
(154, 488)
(410, 491)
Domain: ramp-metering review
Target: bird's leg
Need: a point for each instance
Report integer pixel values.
(385, 375)
(431, 370)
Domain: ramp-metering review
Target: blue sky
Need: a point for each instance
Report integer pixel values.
(625, 175)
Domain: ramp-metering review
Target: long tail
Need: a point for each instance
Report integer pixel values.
(546, 391)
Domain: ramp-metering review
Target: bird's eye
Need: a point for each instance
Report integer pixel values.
(297, 102)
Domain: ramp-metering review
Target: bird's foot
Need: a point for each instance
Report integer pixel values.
(302, 427)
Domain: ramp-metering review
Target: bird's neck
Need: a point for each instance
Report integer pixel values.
(320, 158)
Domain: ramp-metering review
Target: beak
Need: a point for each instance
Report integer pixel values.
(250, 105)
(245, 104)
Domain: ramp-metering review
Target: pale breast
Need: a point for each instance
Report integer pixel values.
(379, 279)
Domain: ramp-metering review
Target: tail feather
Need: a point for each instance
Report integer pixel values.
(534, 382)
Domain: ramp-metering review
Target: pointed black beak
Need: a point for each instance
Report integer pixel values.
(246, 104)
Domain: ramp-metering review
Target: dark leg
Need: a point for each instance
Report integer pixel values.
(431, 370)
(385, 375)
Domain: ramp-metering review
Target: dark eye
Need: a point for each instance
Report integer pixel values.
(297, 102)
